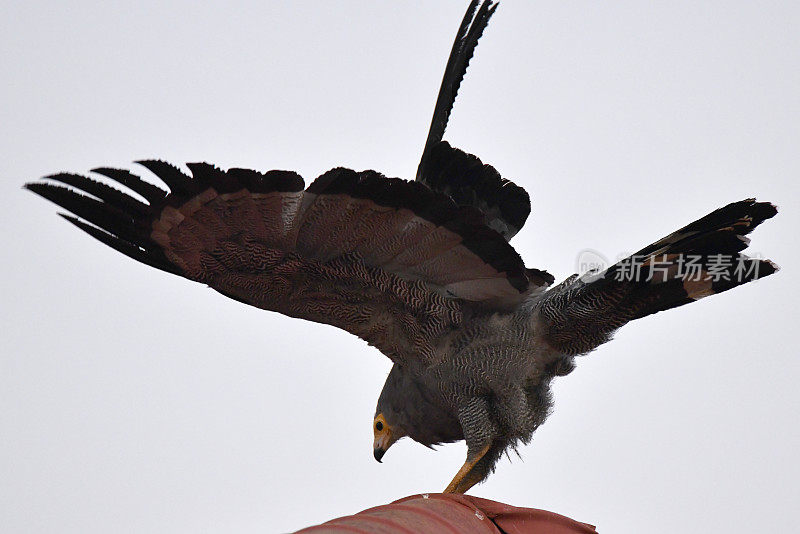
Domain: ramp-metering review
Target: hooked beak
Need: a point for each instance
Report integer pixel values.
(382, 443)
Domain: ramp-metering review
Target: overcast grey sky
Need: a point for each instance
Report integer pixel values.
(134, 401)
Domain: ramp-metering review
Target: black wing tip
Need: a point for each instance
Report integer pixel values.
(770, 267)
(508, 203)
(726, 226)
(742, 217)
(180, 185)
(470, 182)
(469, 33)
(108, 170)
(39, 189)
(150, 192)
(707, 256)
(120, 221)
(160, 166)
(747, 270)
(763, 210)
(153, 258)
(47, 190)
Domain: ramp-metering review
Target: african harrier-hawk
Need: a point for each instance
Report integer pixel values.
(420, 269)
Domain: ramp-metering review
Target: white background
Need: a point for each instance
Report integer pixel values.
(134, 401)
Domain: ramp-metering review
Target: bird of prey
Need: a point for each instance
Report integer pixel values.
(422, 270)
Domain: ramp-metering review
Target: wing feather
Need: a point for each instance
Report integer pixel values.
(454, 172)
(388, 260)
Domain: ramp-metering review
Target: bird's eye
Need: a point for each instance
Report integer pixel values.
(378, 426)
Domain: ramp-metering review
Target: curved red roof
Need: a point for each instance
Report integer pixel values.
(454, 514)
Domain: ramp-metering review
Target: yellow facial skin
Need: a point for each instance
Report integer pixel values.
(383, 436)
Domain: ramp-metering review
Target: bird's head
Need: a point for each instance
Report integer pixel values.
(385, 434)
(406, 407)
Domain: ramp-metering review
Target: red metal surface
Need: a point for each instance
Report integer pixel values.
(439, 513)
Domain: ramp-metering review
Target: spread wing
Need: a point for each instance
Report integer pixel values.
(462, 176)
(388, 260)
(701, 259)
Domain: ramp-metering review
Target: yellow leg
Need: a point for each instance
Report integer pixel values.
(466, 478)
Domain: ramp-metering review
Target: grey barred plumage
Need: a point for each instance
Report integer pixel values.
(422, 270)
